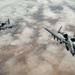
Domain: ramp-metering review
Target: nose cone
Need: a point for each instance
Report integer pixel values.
(72, 52)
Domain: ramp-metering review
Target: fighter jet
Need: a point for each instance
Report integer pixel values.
(67, 40)
(3, 25)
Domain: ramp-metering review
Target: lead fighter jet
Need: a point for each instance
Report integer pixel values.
(67, 40)
(3, 27)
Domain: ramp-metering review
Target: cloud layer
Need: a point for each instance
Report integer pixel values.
(28, 49)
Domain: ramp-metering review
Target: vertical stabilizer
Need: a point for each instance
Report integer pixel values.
(59, 29)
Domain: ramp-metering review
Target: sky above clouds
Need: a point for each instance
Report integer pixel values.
(28, 49)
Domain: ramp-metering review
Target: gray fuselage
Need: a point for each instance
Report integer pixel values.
(70, 46)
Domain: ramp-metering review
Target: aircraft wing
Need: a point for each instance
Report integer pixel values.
(56, 36)
(8, 27)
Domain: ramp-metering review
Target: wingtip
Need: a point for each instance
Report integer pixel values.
(45, 28)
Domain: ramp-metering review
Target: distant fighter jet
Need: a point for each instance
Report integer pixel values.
(3, 27)
(67, 40)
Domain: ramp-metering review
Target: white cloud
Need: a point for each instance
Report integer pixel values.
(33, 10)
(24, 37)
(57, 2)
(31, 34)
(5, 40)
(47, 13)
(69, 15)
